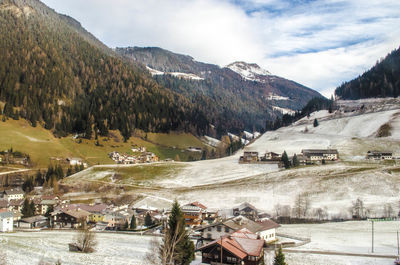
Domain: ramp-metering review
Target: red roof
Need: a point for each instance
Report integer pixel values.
(242, 243)
(198, 205)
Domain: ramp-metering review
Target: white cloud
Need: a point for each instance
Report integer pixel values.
(317, 43)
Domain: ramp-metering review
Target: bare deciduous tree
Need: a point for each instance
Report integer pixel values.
(358, 210)
(86, 240)
(302, 206)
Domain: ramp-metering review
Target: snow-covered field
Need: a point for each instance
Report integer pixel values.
(23, 248)
(223, 183)
(350, 237)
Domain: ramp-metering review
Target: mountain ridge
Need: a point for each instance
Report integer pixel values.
(248, 98)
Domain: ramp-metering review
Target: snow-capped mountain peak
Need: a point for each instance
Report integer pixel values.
(251, 72)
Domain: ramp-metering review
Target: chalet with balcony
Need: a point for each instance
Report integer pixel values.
(317, 155)
(249, 157)
(379, 155)
(241, 247)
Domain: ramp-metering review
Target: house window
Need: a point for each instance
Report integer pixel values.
(209, 236)
(219, 228)
(226, 229)
(209, 229)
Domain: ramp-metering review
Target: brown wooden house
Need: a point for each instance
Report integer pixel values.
(242, 247)
(69, 218)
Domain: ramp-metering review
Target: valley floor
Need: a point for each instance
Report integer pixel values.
(350, 237)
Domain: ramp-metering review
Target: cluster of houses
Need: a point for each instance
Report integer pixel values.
(306, 157)
(240, 233)
(143, 157)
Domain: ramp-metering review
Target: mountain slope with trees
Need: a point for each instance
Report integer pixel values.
(382, 80)
(231, 100)
(54, 72)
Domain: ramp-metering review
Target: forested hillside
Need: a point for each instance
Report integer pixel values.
(55, 73)
(382, 80)
(231, 101)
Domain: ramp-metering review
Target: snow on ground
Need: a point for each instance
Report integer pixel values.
(248, 71)
(175, 74)
(283, 110)
(273, 96)
(212, 141)
(354, 237)
(23, 248)
(223, 183)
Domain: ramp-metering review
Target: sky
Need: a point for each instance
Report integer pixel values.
(318, 43)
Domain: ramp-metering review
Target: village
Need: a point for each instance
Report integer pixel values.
(143, 157)
(242, 231)
(308, 157)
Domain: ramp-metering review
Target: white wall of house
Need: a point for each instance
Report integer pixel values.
(18, 196)
(6, 224)
(214, 233)
(268, 235)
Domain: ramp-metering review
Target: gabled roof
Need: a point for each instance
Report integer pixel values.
(16, 202)
(96, 208)
(268, 224)
(246, 205)
(3, 203)
(198, 205)
(240, 222)
(319, 151)
(4, 215)
(48, 202)
(242, 243)
(34, 219)
(77, 213)
(13, 192)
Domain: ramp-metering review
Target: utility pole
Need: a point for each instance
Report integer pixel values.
(398, 250)
(221, 250)
(372, 236)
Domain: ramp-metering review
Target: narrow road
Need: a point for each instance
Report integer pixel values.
(14, 171)
(319, 252)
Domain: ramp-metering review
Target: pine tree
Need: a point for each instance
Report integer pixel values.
(133, 222)
(285, 160)
(25, 211)
(148, 221)
(295, 161)
(316, 123)
(279, 258)
(176, 248)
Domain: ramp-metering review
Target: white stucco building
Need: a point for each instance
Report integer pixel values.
(6, 222)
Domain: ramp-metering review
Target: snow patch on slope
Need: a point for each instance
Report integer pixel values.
(283, 110)
(251, 72)
(273, 96)
(188, 76)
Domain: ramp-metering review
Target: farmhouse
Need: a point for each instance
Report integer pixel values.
(33, 222)
(315, 155)
(249, 157)
(72, 218)
(266, 229)
(6, 222)
(74, 161)
(14, 194)
(193, 213)
(379, 155)
(242, 247)
(271, 156)
(247, 210)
